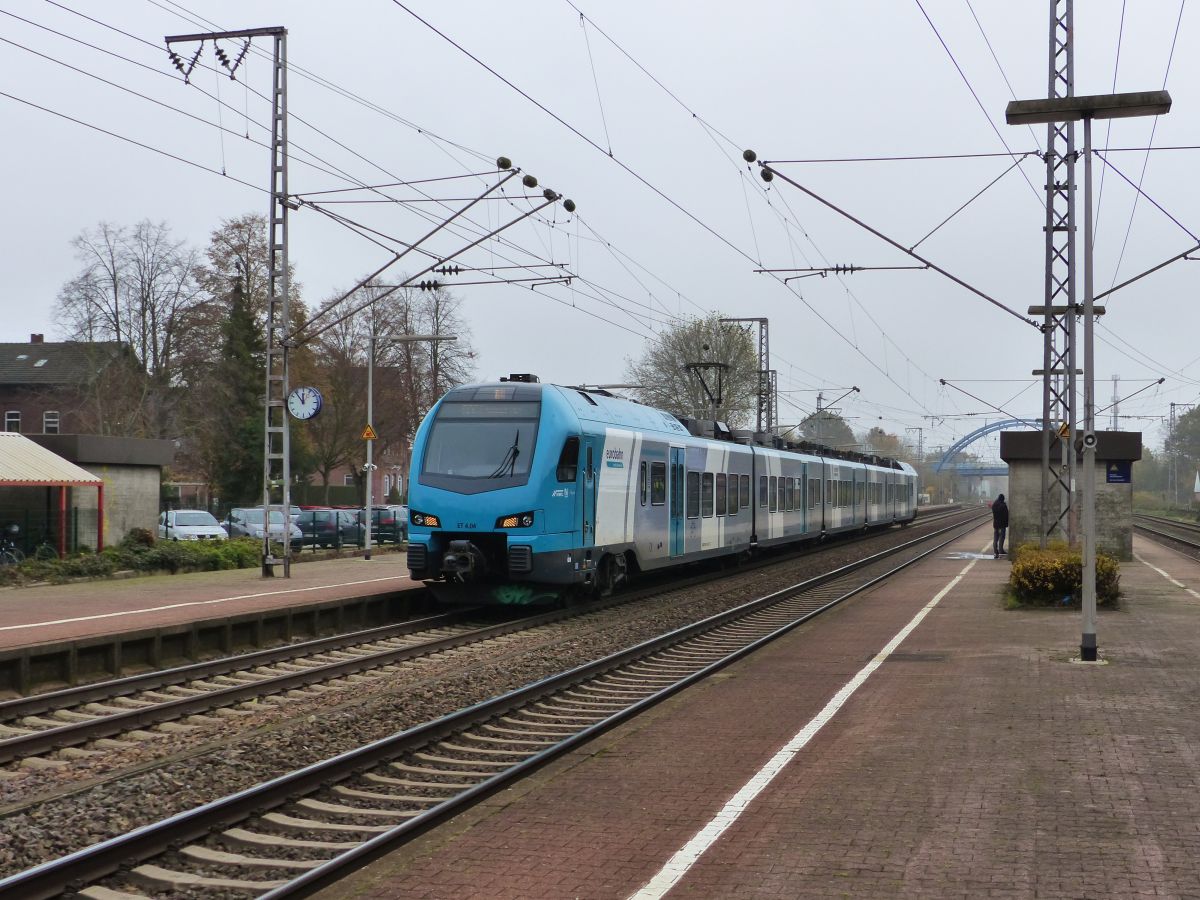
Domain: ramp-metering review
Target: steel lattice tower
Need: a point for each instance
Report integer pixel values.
(1059, 312)
(276, 436)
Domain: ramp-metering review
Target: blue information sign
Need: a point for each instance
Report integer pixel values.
(1118, 472)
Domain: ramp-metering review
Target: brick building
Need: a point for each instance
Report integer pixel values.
(44, 394)
(43, 385)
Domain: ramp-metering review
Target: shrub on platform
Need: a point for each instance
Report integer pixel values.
(1054, 577)
(136, 554)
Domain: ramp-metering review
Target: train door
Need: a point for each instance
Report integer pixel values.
(676, 501)
(802, 499)
(587, 491)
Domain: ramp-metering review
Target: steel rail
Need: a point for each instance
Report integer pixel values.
(73, 734)
(1169, 536)
(95, 862)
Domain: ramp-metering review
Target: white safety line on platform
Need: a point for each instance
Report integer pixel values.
(1177, 583)
(135, 612)
(688, 855)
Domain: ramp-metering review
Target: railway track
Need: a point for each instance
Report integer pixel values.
(1173, 532)
(87, 720)
(300, 832)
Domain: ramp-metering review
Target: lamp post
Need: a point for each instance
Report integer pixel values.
(369, 431)
(1074, 109)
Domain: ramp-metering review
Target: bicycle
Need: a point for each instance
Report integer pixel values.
(10, 554)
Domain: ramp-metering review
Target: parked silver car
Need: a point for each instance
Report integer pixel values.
(248, 522)
(189, 525)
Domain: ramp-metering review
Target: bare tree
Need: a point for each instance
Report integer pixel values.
(665, 381)
(136, 291)
(409, 376)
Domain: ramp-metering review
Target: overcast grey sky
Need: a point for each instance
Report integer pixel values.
(797, 80)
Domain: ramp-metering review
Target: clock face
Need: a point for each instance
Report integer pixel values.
(304, 402)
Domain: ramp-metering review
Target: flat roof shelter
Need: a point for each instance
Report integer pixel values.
(24, 463)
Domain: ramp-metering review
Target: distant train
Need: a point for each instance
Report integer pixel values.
(522, 492)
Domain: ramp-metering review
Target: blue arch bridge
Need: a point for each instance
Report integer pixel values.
(976, 470)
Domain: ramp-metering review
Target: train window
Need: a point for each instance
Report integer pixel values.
(889, 493)
(829, 491)
(858, 493)
(773, 493)
(706, 495)
(762, 490)
(722, 496)
(642, 485)
(568, 460)
(745, 500)
(789, 493)
(732, 505)
(814, 492)
(693, 495)
(658, 483)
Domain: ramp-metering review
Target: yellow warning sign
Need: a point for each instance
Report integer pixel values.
(1064, 430)
(369, 434)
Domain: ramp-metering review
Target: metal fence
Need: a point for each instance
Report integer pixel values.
(26, 528)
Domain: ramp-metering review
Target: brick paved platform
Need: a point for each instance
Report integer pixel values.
(46, 613)
(977, 761)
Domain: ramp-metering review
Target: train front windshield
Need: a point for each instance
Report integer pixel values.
(489, 442)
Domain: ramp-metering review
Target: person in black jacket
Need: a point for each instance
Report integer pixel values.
(999, 525)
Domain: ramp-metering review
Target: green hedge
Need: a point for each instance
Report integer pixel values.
(1054, 577)
(139, 552)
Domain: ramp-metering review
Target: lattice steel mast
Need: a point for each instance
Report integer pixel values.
(768, 379)
(276, 435)
(1058, 314)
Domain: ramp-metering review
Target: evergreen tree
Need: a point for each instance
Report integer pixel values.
(237, 386)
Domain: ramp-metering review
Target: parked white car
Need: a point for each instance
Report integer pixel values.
(189, 525)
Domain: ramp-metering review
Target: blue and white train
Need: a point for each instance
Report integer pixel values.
(522, 491)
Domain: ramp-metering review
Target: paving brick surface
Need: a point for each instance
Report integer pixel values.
(979, 761)
(35, 615)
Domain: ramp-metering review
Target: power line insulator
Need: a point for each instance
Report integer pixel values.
(504, 163)
(529, 181)
(766, 174)
(749, 155)
(429, 285)
(569, 205)
(448, 270)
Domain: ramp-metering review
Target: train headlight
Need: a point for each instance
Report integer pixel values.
(424, 520)
(517, 520)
